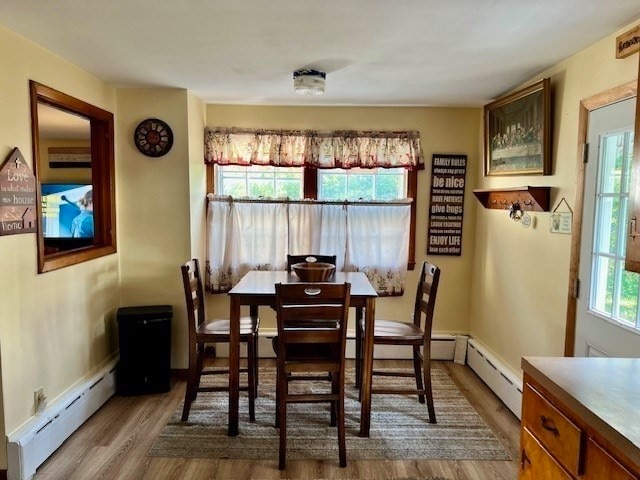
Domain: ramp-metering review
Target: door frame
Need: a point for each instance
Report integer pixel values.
(587, 105)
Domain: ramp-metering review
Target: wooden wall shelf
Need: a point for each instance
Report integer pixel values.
(535, 199)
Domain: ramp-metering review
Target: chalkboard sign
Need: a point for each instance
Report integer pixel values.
(446, 205)
(17, 196)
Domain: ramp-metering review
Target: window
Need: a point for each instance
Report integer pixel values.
(351, 165)
(256, 181)
(332, 184)
(259, 181)
(615, 291)
(73, 157)
(362, 184)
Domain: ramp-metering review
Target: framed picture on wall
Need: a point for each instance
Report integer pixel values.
(517, 132)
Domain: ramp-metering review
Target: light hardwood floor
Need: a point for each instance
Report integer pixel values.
(113, 444)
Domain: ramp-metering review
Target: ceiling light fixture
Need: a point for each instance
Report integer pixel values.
(309, 82)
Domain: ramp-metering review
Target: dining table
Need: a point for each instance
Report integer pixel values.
(257, 288)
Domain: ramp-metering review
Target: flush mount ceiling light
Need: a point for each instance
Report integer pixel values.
(309, 82)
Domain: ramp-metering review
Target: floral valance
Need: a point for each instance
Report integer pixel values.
(315, 149)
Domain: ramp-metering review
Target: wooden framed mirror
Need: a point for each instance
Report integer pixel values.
(73, 160)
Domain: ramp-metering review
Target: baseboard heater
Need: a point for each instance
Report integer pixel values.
(505, 384)
(442, 347)
(30, 445)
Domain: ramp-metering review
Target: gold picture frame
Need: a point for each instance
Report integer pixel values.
(517, 132)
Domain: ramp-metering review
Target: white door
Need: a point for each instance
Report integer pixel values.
(608, 313)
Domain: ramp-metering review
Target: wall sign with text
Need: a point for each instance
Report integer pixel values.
(446, 204)
(17, 196)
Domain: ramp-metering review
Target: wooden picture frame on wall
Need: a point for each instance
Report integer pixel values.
(517, 132)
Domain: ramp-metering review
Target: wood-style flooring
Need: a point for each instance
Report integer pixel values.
(113, 444)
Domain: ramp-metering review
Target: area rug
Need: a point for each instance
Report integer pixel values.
(399, 427)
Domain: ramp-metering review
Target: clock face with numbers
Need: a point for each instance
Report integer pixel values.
(153, 137)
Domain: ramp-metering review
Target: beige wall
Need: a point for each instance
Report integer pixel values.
(197, 175)
(520, 276)
(55, 328)
(154, 207)
(442, 130)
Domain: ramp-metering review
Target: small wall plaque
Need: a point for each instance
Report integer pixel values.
(17, 196)
(628, 43)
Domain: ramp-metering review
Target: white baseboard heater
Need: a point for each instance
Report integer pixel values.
(30, 445)
(442, 347)
(504, 383)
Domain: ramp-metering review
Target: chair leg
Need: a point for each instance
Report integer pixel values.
(358, 354)
(342, 448)
(255, 365)
(190, 392)
(428, 390)
(251, 384)
(417, 367)
(282, 419)
(335, 389)
(200, 363)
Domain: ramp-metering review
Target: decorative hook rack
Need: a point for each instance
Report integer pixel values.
(528, 198)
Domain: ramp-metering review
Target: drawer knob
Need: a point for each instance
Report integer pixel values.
(548, 425)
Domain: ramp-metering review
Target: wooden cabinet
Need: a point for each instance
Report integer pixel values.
(565, 434)
(632, 261)
(602, 465)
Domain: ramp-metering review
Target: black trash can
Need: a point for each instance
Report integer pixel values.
(144, 335)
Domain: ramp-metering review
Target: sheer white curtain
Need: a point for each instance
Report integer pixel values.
(257, 235)
(243, 236)
(318, 228)
(378, 244)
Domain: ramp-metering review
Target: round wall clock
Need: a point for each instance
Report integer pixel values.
(153, 137)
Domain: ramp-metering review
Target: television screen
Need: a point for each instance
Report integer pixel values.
(64, 212)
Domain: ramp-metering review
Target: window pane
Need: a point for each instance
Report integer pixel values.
(366, 184)
(603, 281)
(608, 214)
(612, 158)
(628, 302)
(259, 181)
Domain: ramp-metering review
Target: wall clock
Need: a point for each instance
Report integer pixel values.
(153, 137)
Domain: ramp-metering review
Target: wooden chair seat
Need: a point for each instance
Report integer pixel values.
(202, 332)
(220, 328)
(395, 332)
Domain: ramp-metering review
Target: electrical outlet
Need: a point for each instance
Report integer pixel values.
(39, 399)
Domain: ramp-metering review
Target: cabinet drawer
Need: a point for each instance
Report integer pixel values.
(536, 463)
(602, 465)
(559, 435)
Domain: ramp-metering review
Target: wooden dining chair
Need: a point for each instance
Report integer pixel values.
(202, 332)
(312, 332)
(416, 335)
(293, 259)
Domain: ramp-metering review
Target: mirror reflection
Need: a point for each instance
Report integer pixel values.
(64, 171)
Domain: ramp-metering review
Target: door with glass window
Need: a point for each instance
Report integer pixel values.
(608, 317)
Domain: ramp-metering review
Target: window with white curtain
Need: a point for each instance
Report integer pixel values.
(257, 235)
(359, 190)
